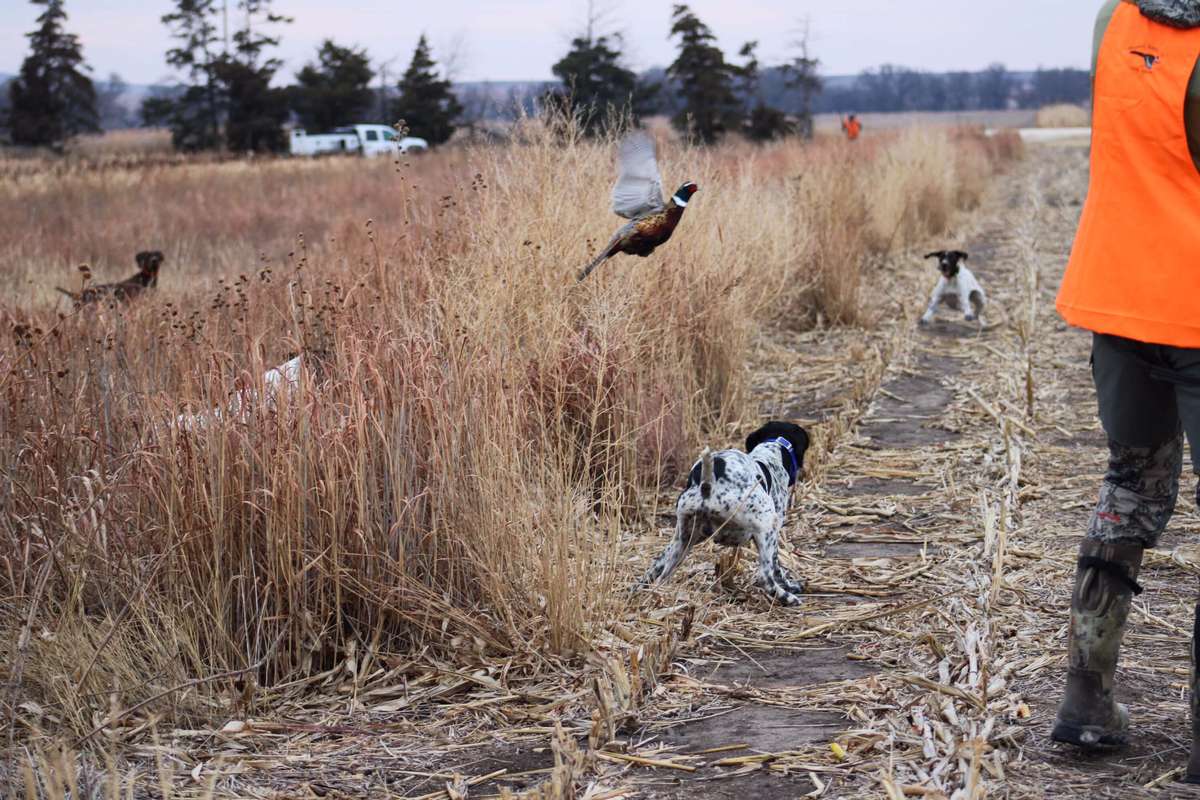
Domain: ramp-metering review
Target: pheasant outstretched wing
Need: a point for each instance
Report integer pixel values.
(638, 190)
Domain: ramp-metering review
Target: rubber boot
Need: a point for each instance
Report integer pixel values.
(1193, 768)
(1105, 582)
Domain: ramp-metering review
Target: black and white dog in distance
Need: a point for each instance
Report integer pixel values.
(957, 288)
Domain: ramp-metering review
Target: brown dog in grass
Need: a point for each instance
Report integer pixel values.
(148, 262)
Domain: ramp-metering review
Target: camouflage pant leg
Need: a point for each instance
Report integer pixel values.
(1138, 495)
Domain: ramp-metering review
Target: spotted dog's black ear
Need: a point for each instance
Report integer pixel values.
(774, 430)
(960, 255)
(937, 254)
(797, 436)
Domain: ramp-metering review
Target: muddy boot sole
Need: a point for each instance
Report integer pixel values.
(1090, 737)
(1191, 773)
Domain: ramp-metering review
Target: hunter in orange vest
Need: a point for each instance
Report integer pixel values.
(852, 127)
(1134, 281)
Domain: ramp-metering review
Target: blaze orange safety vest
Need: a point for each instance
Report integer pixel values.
(853, 128)
(1135, 268)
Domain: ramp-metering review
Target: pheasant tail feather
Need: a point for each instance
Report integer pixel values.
(600, 259)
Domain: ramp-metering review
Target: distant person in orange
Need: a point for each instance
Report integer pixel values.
(1134, 281)
(852, 127)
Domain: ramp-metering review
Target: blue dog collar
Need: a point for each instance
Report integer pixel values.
(794, 469)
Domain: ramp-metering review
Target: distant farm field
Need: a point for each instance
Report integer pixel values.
(831, 123)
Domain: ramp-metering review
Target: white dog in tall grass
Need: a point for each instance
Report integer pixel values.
(277, 382)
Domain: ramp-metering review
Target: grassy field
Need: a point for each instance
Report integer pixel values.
(901, 120)
(458, 484)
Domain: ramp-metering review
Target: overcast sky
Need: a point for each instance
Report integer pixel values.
(520, 39)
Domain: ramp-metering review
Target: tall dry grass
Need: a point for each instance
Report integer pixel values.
(1063, 115)
(133, 142)
(459, 477)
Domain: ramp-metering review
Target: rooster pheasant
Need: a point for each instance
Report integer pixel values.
(637, 196)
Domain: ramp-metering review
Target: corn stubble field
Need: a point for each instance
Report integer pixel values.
(455, 495)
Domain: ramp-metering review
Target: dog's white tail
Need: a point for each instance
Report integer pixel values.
(706, 473)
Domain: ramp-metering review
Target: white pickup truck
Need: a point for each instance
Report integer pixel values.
(369, 140)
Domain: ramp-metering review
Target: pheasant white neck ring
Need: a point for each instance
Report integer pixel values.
(684, 195)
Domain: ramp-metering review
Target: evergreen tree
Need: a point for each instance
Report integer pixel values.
(763, 122)
(195, 114)
(4, 106)
(802, 79)
(334, 90)
(595, 84)
(427, 103)
(229, 100)
(748, 76)
(52, 99)
(256, 110)
(710, 107)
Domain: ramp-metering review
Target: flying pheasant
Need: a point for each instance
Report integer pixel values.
(637, 196)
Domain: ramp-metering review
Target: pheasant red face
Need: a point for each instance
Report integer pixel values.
(685, 193)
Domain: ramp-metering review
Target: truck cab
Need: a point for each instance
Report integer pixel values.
(368, 140)
(380, 140)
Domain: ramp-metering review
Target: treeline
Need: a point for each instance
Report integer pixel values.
(229, 95)
(227, 98)
(51, 99)
(706, 94)
(891, 88)
(229, 101)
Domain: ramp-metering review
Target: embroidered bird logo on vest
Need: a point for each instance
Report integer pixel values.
(1150, 59)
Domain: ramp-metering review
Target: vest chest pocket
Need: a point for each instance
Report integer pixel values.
(1128, 72)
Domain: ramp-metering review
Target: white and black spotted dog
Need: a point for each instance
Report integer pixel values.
(734, 497)
(957, 288)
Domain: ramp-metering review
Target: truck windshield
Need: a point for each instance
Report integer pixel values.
(389, 136)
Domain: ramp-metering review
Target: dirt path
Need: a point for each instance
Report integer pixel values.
(938, 539)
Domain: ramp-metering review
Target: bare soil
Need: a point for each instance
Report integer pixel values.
(791, 668)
